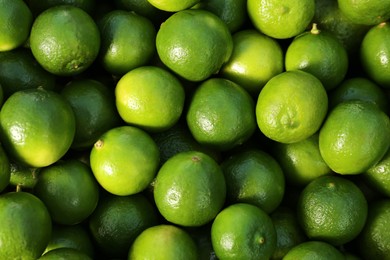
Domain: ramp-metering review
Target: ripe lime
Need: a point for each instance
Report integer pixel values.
(94, 108)
(190, 189)
(120, 29)
(150, 97)
(368, 12)
(301, 161)
(194, 44)
(291, 106)
(37, 126)
(163, 241)
(318, 250)
(254, 177)
(374, 240)
(15, 24)
(173, 5)
(215, 102)
(256, 58)
(65, 253)
(281, 19)
(5, 169)
(69, 191)
(378, 176)
(332, 209)
(65, 40)
(375, 54)
(22, 176)
(354, 137)
(19, 70)
(319, 53)
(243, 231)
(117, 221)
(25, 226)
(124, 160)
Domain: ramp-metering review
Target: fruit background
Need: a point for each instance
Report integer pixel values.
(194, 129)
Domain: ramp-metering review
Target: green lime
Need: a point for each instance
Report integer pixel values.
(37, 127)
(243, 231)
(194, 44)
(254, 177)
(317, 250)
(281, 19)
(125, 160)
(142, 7)
(22, 176)
(291, 106)
(365, 12)
(215, 102)
(25, 226)
(117, 221)
(332, 209)
(65, 40)
(163, 241)
(65, 253)
(354, 137)
(190, 189)
(38, 6)
(378, 176)
(173, 5)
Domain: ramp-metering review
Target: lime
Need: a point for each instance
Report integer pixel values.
(38, 6)
(378, 176)
(118, 220)
(15, 24)
(150, 98)
(65, 40)
(173, 5)
(243, 231)
(354, 137)
(37, 126)
(370, 12)
(65, 253)
(281, 19)
(25, 226)
(142, 7)
(318, 250)
(215, 102)
(22, 176)
(163, 241)
(194, 44)
(124, 160)
(190, 189)
(256, 58)
(332, 209)
(254, 177)
(291, 106)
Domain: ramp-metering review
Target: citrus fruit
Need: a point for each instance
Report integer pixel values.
(359, 88)
(232, 12)
(173, 5)
(163, 241)
(93, 104)
(189, 189)
(194, 44)
(318, 250)
(71, 236)
(65, 40)
(254, 177)
(354, 137)
(332, 209)
(120, 29)
(142, 7)
(329, 17)
(374, 240)
(5, 169)
(38, 6)
(291, 106)
(19, 70)
(37, 126)
(301, 161)
(215, 102)
(256, 58)
(319, 53)
(288, 232)
(375, 54)
(281, 19)
(369, 12)
(243, 231)
(378, 176)
(117, 221)
(65, 253)
(25, 226)
(15, 24)
(22, 176)
(69, 191)
(150, 97)
(124, 160)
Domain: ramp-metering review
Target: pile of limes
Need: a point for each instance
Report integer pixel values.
(194, 129)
